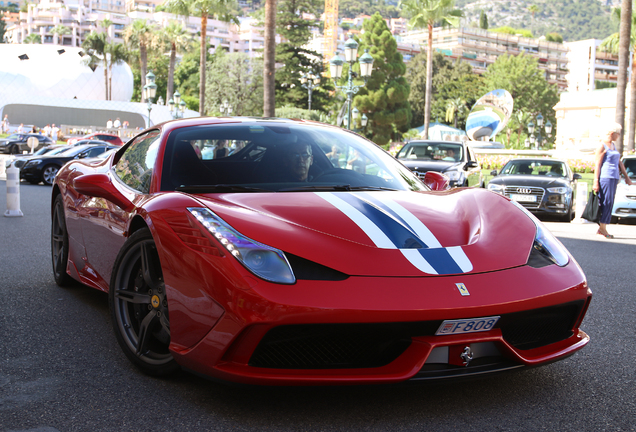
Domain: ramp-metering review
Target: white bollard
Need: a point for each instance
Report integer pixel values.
(581, 201)
(13, 192)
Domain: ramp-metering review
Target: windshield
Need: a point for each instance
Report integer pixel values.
(535, 167)
(630, 167)
(259, 156)
(440, 151)
(72, 151)
(15, 137)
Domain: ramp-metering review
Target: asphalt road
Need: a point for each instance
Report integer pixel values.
(62, 370)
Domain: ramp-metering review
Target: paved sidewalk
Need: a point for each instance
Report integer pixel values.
(581, 229)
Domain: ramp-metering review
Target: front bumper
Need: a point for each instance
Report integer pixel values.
(355, 332)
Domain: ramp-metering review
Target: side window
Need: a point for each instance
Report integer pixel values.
(135, 166)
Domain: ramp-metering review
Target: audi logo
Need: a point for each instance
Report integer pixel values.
(524, 190)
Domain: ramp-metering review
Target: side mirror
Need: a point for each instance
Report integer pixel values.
(471, 164)
(493, 173)
(436, 181)
(576, 176)
(100, 186)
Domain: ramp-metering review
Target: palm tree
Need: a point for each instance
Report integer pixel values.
(533, 9)
(106, 23)
(33, 38)
(625, 31)
(179, 40)
(425, 14)
(613, 44)
(59, 30)
(139, 34)
(116, 54)
(95, 47)
(269, 60)
(454, 108)
(203, 9)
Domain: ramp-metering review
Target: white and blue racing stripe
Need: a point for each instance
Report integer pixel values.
(391, 226)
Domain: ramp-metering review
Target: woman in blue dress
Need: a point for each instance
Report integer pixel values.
(607, 175)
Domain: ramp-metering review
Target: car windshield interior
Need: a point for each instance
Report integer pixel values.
(256, 156)
(441, 151)
(630, 167)
(535, 167)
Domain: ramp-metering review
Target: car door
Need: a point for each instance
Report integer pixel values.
(472, 169)
(104, 224)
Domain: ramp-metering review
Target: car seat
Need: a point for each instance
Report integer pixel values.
(187, 168)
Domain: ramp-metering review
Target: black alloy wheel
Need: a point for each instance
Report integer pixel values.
(59, 243)
(14, 149)
(48, 174)
(139, 306)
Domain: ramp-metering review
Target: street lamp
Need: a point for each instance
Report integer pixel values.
(226, 108)
(366, 67)
(539, 140)
(150, 91)
(310, 82)
(363, 121)
(177, 106)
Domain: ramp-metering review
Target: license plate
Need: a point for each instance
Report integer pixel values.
(523, 198)
(471, 325)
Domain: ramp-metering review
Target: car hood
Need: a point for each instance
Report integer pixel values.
(530, 180)
(429, 165)
(385, 233)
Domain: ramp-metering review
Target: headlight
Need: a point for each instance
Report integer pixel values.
(546, 248)
(264, 261)
(32, 162)
(454, 175)
(559, 190)
(497, 188)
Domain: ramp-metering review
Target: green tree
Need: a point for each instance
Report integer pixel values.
(139, 37)
(177, 39)
(186, 77)
(483, 20)
(384, 99)
(116, 54)
(425, 14)
(612, 44)
(269, 60)
(202, 8)
(95, 47)
(33, 38)
(454, 108)
(237, 78)
(59, 30)
(296, 60)
(521, 76)
(554, 37)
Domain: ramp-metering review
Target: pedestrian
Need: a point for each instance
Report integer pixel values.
(21, 128)
(607, 175)
(54, 131)
(125, 124)
(5, 124)
(109, 124)
(117, 123)
(46, 130)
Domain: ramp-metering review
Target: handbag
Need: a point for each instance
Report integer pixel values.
(592, 212)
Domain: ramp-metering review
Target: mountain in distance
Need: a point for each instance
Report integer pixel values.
(572, 19)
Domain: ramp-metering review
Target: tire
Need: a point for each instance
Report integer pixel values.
(14, 149)
(59, 244)
(139, 306)
(48, 174)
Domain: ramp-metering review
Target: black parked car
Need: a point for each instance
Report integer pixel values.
(453, 158)
(44, 169)
(20, 160)
(17, 143)
(543, 186)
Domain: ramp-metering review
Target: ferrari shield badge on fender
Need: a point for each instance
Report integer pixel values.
(462, 289)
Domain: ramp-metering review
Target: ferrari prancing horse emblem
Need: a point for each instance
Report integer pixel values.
(462, 289)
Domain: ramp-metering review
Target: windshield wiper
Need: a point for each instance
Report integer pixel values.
(336, 188)
(218, 188)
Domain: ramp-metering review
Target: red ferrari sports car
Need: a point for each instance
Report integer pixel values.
(283, 252)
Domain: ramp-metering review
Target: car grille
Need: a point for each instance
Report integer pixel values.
(527, 190)
(341, 346)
